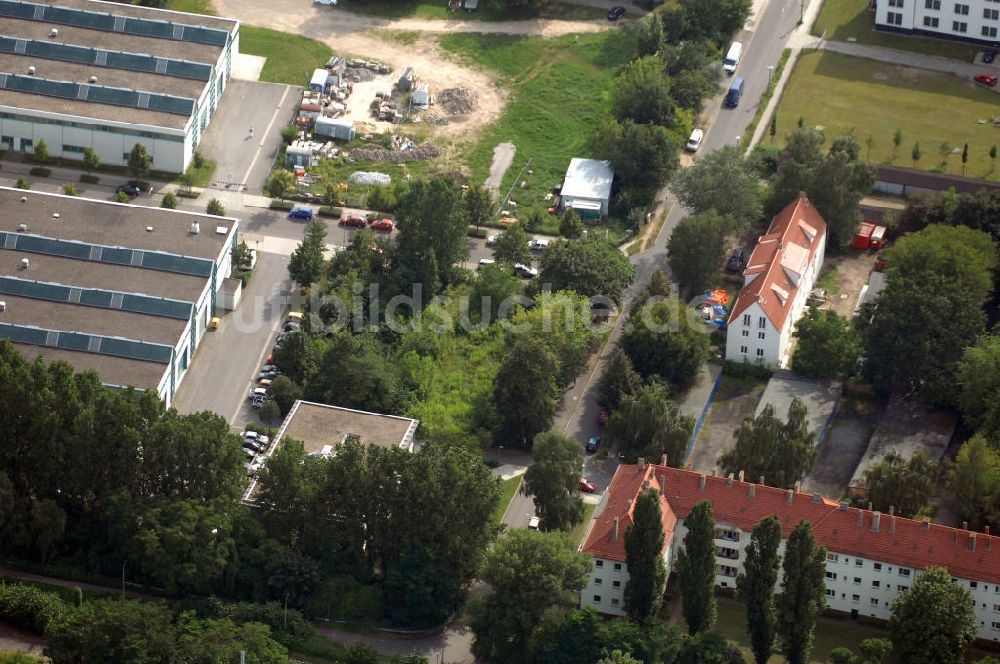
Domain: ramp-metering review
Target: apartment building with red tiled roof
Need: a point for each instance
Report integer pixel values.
(871, 557)
(777, 280)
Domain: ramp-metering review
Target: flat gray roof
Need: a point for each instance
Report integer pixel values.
(112, 224)
(112, 370)
(588, 178)
(58, 70)
(317, 425)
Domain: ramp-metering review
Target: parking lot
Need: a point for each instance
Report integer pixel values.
(819, 398)
(735, 400)
(844, 446)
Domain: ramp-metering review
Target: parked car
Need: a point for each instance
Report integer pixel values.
(737, 259)
(258, 393)
(130, 188)
(592, 444)
(586, 485)
(986, 79)
(382, 225)
(525, 271)
(270, 374)
(989, 55)
(538, 245)
(880, 263)
(533, 523)
(483, 262)
(290, 327)
(301, 213)
(616, 13)
(491, 240)
(694, 142)
(602, 418)
(354, 221)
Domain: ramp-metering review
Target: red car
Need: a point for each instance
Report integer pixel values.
(586, 485)
(354, 221)
(986, 79)
(602, 418)
(382, 225)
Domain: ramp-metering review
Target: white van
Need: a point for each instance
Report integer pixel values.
(325, 3)
(733, 58)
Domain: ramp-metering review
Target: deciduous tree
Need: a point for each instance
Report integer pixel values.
(432, 220)
(590, 267)
(828, 345)
(495, 286)
(696, 250)
(664, 342)
(571, 226)
(552, 481)
(619, 380)
(696, 569)
(524, 392)
(649, 35)
(642, 93)
(41, 151)
(280, 184)
(803, 593)
(755, 586)
(478, 204)
(91, 160)
(975, 484)
(643, 156)
(650, 424)
(723, 181)
(933, 622)
(138, 160)
(644, 554)
(780, 452)
(905, 484)
(512, 246)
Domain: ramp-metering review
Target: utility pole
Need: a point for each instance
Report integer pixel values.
(124, 563)
(802, 11)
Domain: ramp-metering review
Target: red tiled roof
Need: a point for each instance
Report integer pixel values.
(625, 487)
(799, 226)
(900, 541)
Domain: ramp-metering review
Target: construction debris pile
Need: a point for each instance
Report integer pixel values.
(365, 70)
(367, 177)
(457, 101)
(432, 118)
(376, 153)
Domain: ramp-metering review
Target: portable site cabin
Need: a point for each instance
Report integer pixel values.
(587, 188)
(299, 156)
(421, 96)
(342, 130)
(318, 80)
(406, 80)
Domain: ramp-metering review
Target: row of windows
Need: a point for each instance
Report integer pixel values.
(760, 351)
(598, 581)
(760, 335)
(989, 32)
(600, 564)
(991, 14)
(761, 321)
(614, 600)
(959, 26)
(894, 18)
(91, 127)
(832, 576)
(860, 563)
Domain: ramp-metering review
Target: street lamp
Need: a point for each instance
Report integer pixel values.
(738, 141)
(770, 72)
(499, 455)
(802, 11)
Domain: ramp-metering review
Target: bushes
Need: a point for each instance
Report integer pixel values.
(746, 370)
(289, 628)
(327, 211)
(87, 178)
(344, 598)
(281, 205)
(29, 607)
(40, 172)
(169, 201)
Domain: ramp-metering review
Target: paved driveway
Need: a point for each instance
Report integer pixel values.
(844, 446)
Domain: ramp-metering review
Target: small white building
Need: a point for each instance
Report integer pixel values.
(587, 187)
(871, 557)
(974, 21)
(777, 281)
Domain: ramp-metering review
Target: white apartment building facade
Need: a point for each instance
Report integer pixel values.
(777, 281)
(975, 21)
(871, 557)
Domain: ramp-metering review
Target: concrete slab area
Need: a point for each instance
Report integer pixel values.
(735, 400)
(845, 445)
(248, 67)
(819, 398)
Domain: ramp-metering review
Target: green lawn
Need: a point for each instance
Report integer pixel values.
(438, 9)
(559, 93)
(192, 6)
(843, 19)
(580, 529)
(291, 59)
(507, 491)
(869, 98)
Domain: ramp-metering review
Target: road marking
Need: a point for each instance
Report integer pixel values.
(267, 132)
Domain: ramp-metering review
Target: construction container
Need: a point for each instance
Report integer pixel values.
(869, 236)
(318, 80)
(406, 80)
(421, 96)
(342, 130)
(310, 110)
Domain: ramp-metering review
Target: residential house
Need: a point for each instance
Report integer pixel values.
(777, 281)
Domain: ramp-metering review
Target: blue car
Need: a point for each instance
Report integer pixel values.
(301, 213)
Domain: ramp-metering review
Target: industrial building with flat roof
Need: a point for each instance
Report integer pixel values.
(123, 290)
(90, 74)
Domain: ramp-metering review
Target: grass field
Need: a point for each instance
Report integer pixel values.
(868, 98)
(291, 59)
(438, 9)
(193, 6)
(559, 94)
(507, 491)
(580, 529)
(843, 19)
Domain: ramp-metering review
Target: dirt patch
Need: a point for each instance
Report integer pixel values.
(15, 639)
(844, 276)
(503, 157)
(735, 400)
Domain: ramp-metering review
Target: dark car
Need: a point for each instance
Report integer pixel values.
(989, 55)
(593, 443)
(602, 418)
(736, 261)
(130, 189)
(616, 13)
(301, 213)
(354, 221)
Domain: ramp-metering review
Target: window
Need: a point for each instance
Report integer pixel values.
(894, 18)
(760, 335)
(746, 333)
(931, 21)
(761, 322)
(760, 352)
(961, 10)
(830, 592)
(743, 350)
(857, 580)
(597, 598)
(874, 601)
(618, 567)
(996, 608)
(877, 566)
(973, 585)
(832, 557)
(895, 3)
(746, 319)
(858, 562)
(995, 625)
(855, 598)
(992, 14)
(958, 26)
(73, 148)
(616, 584)
(904, 571)
(600, 563)
(832, 576)
(989, 32)
(615, 602)
(902, 588)
(876, 584)
(598, 581)
(932, 4)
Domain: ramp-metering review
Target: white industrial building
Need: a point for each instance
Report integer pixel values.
(587, 188)
(871, 557)
(777, 281)
(89, 74)
(126, 291)
(973, 21)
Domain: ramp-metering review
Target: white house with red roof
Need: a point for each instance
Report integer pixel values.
(871, 557)
(777, 281)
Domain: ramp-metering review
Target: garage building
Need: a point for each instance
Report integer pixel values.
(89, 74)
(122, 290)
(587, 188)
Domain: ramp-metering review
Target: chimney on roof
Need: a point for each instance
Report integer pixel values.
(729, 480)
(965, 525)
(844, 505)
(761, 480)
(641, 464)
(701, 483)
(989, 543)
(926, 523)
(972, 541)
(861, 518)
(892, 524)
(628, 504)
(663, 460)
(892, 510)
(789, 497)
(817, 497)
(876, 517)
(954, 536)
(714, 473)
(741, 475)
(805, 199)
(753, 491)
(645, 484)
(614, 533)
(798, 487)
